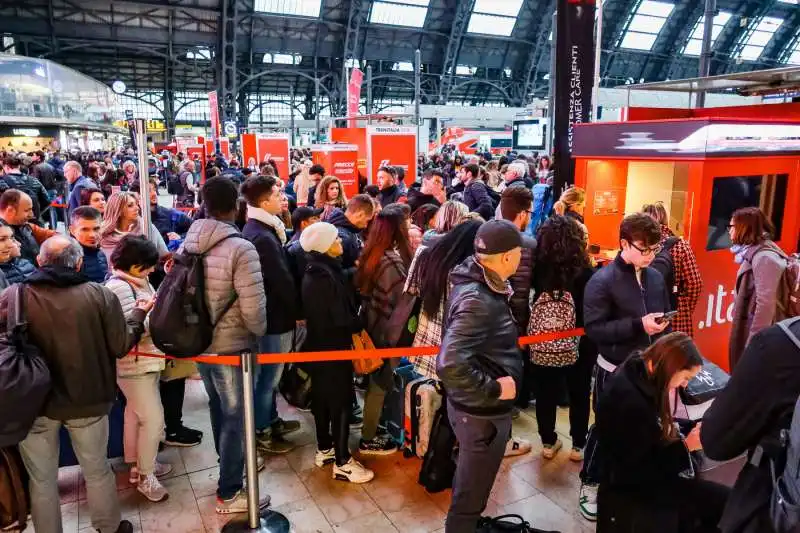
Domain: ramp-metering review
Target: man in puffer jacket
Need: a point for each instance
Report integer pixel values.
(480, 366)
(14, 268)
(236, 303)
(351, 223)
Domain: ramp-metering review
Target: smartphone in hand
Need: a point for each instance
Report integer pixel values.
(666, 317)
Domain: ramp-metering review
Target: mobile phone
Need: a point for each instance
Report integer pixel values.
(668, 316)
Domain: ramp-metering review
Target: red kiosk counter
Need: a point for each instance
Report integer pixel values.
(702, 169)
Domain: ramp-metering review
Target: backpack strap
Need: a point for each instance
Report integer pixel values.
(235, 296)
(786, 325)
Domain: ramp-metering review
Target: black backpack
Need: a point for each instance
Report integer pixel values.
(439, 464)
(508, 523)
(24, 375)
(666, 266)
(180, 322)
(174, 184)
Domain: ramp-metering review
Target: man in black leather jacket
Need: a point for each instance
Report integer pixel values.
(480, 366)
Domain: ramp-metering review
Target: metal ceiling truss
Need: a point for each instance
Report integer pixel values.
(458, 28)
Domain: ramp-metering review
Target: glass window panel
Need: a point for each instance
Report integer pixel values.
(693, 47)
(509, 8)
(794, 59)
(659, 9)
(404, 66)
(400, 13)
(203, 54)
(464, 70)
(638, 41)
(751, 53)
(491, 24)
(303, 8)
(646, 24)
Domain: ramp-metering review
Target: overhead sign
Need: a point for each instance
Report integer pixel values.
(395, 146)
(354, 94)
(258, 147)
(230, 128)
(574, 77)
(213, 108)
(129, 114)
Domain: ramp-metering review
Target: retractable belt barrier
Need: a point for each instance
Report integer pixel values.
(348, 355)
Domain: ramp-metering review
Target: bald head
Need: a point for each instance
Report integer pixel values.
(61, 250)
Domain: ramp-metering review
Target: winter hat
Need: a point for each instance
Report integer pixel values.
(318, 237)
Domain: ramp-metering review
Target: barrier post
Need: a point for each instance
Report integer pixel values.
(263, 521)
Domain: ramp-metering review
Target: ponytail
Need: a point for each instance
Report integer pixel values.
(560, 208)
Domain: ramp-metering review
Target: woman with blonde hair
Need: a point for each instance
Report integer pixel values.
(329, 196)
(571, 204)
(450, 215)
(121, 218)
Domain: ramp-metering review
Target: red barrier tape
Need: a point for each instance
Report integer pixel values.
(59, 206)
(348, 355)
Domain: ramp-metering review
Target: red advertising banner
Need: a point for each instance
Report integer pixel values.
(354, 94)
(213, 107)
(340, 160)
(224, 148)
(390, 145)
(249, 151)
(276, 147)
(357, 136)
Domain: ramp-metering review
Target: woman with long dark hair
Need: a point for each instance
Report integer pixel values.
(562, 271)
(428, 279)
(381, 275)
(648, 481)
(761, 265)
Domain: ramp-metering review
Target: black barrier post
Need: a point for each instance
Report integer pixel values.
(261, 520)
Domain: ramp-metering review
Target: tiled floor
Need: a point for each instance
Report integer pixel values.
(545, 493)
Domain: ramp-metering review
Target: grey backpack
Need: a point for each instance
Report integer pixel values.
(785, 502)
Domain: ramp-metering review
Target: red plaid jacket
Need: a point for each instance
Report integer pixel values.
(687, 278)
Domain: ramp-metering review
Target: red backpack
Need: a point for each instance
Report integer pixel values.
(789, 290)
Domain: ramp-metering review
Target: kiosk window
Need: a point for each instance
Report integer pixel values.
(731, 193)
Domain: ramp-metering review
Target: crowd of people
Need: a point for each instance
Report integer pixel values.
(292, 264)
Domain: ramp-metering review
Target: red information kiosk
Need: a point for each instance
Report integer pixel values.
(702, 168)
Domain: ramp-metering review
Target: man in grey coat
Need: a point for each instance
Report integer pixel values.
(236, 302)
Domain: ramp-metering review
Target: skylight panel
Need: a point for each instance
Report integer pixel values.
(793, 2)
(464, 70)
(494, 17)
(302, 8)
(283, 59)
(645, 25)
(411, 13)
(201, 54)
(695, 44)
(759, 38)
(403, 66)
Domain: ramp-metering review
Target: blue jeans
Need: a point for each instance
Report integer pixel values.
(224, 387)
(267, 379)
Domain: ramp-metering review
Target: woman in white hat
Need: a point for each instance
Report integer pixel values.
(331, 311)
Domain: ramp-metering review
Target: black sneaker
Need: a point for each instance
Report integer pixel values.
(184, 438)
(377, 446)
(281, 427)
(125, 527)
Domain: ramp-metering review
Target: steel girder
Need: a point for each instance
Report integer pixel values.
(357, 15)
(537, 53)
(457, 30)
(729, 41)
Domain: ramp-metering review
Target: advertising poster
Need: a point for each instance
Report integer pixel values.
(354, 94)
(249, 151)
(275, 147)
(224, 148)
(213, 108)
(390, 145)
(574, 77)
(340, 160)
(357, 136)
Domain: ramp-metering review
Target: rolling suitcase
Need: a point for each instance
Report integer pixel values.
(422, 399)
(394, 403)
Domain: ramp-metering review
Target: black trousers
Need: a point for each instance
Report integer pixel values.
(172, 393)
(590, 473)
(548, 385)
(331, 404)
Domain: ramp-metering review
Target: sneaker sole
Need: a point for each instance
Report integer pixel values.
(165, 498)
(268, 451)
(378, 452)
(517, 452)
(182, 444)
(341, 477)
(290, 432)
(575, 459)
(240, 511)
(587, 516)
(324, 463)
(358, 425)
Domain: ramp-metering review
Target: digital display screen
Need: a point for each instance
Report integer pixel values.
(529, 135)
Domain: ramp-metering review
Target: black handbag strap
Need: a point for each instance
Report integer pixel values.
(16, 324)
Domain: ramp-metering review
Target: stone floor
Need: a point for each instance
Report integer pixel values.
(545, 493)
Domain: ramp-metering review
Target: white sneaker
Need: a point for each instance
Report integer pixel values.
(152, 489)
(352, 471)
(516, 446)
(324, 457)
(587, 502)
(550, 450)
(238, 504)
(576, 454)
(161, 470)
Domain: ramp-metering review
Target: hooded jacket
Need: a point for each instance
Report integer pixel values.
(80, 331)
(480, 341)
(233, 271)
(17, 270)
(95, 264)
(391, 195)
(384, 296)
(351, 238)
(417, 199)
(613, 307)
(30, 186)
(476, 196)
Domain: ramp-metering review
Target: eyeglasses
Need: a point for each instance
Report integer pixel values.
(648, 251)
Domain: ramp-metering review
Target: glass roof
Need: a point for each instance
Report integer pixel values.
(283, 59)
(410, 13)
(494, 17)
(404, 66)
(794, 58)
(761, 35)
(199, 53)
(695, 44)
(645, 25)
(303, 8)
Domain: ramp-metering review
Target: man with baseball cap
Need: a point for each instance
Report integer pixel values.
(480, 366)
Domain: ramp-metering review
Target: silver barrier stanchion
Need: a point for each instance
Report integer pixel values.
(261, 520)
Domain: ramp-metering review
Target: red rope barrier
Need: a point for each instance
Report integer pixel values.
(349, 355)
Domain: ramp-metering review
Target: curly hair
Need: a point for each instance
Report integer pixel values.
(560, 254)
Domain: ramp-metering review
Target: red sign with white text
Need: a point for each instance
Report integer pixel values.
(394, 146)
(354, 94)
(275, 147)
(341, 161)
(224, 148)
(213, 107)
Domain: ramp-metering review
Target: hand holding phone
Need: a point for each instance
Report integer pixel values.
(666, 317)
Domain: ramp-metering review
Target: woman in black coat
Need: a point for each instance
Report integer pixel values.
(648, 482)
(331, 319)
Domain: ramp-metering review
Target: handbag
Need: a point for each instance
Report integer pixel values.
(361, 342)
(706, 385)
(507, 523)
(24, 375)
(295, 387)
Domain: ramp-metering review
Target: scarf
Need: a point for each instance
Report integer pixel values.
(739, 251)
(270, 220)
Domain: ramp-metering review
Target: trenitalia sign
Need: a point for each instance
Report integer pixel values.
(574, 76)
(392, 146)
(676, 138)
